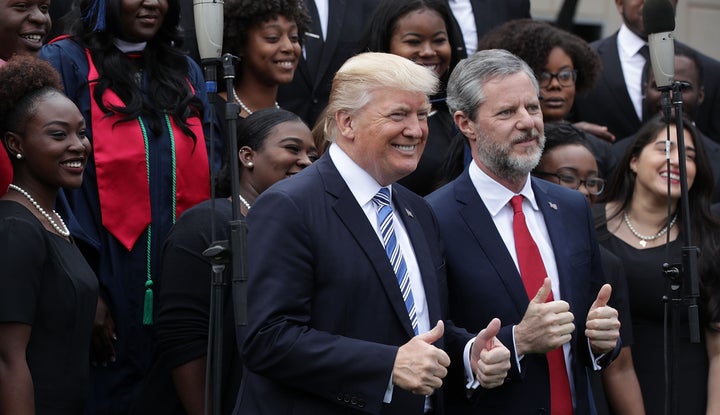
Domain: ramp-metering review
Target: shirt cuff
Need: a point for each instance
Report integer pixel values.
(389, 391)
(470, 381)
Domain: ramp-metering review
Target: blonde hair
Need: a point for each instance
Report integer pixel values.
(366, 73)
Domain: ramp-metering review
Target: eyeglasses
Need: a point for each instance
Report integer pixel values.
(568, 177)
(566, 77)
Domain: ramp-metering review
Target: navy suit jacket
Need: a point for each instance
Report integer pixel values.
(609, 104)
(326, 316)
(483, 282)
(307, 94)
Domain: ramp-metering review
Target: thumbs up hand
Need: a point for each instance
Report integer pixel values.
(419, 366)
(489, 358)
(602, 326)
(545, 325)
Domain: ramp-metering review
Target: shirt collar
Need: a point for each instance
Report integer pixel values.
(628, 42)
(494, 195)
(363, 186)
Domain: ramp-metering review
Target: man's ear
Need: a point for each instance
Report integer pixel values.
(465, 125)
(13, 143)
(344, 121)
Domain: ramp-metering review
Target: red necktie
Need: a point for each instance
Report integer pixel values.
(532, 271)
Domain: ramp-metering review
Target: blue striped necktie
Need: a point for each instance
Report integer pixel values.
(392, 249)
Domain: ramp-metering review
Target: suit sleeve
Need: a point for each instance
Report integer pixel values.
(282, 342)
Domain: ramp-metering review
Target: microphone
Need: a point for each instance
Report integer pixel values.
(209, 34)
(659, 21)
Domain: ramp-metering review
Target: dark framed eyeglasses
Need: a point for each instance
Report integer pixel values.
(566, 77)
(567, 177)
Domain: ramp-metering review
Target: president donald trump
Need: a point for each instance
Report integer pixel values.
(346, 289)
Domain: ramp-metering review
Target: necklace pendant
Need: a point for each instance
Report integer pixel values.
(643, 243)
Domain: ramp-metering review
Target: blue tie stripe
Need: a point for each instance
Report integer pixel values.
(392, 249)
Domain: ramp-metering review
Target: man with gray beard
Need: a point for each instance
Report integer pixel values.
(521, 249)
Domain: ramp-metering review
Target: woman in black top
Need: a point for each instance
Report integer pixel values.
(48, 293)
(273, 144)
(635, 228)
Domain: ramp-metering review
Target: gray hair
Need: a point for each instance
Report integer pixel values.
(465, 87)
(366, 73)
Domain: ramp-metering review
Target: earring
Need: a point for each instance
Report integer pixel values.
(250, 164)
(18, 156)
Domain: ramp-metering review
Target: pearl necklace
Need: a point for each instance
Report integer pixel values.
(64, 231)
(244, 107)
(244, 202)
(644, 239)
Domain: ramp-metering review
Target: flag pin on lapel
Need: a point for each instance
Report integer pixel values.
(409, 213)
(552, 205)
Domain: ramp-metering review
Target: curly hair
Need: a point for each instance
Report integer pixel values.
(24, 80)
(532, 41)
(166, 65)
(241, 15)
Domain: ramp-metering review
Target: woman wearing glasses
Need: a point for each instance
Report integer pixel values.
(567, 160)
(564, 65)
(635, 228)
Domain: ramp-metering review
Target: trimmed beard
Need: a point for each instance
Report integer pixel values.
(499, 158)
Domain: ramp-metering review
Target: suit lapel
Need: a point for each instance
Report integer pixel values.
(480, 223)
(553, 210)
(352, 216)
(615, 80)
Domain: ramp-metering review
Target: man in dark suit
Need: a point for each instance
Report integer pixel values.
(336, 31)
(474, 18)
(494, 98)
(341, 301)
(616, 100)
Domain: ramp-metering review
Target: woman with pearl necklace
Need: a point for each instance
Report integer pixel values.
(48, 292)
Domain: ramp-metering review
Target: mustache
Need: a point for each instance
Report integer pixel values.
(526, 137)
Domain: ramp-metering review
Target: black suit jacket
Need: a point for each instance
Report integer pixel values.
(326, 316)
(491, 13)
(609, 104)
(307, 94)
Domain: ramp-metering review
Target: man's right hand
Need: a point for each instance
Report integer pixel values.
(545, 325)
(419, 366)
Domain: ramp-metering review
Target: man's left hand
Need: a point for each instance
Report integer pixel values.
(602, 326)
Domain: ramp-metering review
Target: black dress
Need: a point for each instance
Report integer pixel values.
(45, 282)
(646, 288)
(182, 322)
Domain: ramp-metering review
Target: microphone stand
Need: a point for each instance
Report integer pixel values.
(220, 253)
(689, 292)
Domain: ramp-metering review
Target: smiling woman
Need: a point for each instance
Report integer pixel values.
(267, 37)
(48, 292)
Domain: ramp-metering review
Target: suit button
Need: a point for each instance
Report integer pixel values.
(353, 400)
(314, 100)
(361, 403)
(346, 398)
(339, 397)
